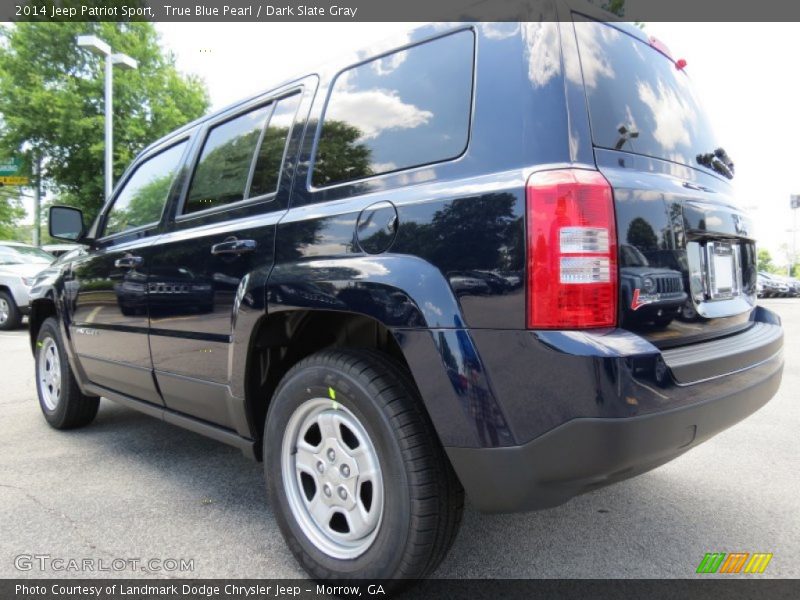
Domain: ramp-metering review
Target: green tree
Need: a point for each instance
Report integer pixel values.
(616, 7)
(641, 234)
(11, 211)
(144, 207)
(51, 102)
(765, 261)
(222, 174)
(340, 155)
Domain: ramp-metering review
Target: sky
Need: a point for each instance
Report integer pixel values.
(743, 73)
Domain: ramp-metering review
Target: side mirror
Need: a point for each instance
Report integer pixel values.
(66, 223)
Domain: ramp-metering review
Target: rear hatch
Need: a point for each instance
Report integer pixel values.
(687, 261)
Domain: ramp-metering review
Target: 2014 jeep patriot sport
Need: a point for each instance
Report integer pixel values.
(501, 258)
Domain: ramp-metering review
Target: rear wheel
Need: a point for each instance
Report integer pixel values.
(10, 316)
(63, 404)
(359, 483)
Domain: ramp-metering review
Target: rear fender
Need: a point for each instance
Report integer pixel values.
(414, 301)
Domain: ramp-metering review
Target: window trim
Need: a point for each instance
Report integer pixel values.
(321, 122)
(160, 149)
(180, 215)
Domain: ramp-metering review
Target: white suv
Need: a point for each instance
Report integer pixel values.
(19, 265)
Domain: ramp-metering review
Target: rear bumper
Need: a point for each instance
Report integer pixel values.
(585, 410)
(585, 454)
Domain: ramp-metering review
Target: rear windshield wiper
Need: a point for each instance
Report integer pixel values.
(718, 161)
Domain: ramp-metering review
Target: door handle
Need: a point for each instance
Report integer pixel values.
(128, 262)
(232, 247)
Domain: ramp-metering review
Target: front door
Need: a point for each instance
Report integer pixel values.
(108, 313)
(219, 247)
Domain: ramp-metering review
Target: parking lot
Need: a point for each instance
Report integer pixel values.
(129, 486)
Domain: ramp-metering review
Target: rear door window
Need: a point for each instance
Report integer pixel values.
(224, 166)
(638, 100)
(405, 109)
(242, 157)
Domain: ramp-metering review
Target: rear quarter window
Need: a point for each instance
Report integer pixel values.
(401, 110)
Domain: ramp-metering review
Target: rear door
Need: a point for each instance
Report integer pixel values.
(222, 237)
(687, 256)
(108, 320)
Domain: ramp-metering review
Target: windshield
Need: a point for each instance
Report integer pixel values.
(638, 100)
(630, 256)
(20, 255)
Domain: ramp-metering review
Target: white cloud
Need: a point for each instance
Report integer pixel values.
(387, 64)
(595, 63)
(375, 111)
(500, 31)
(673, 118)
(543, 64)
(383, 167)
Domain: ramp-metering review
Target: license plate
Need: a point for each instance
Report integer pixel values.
(722, 271)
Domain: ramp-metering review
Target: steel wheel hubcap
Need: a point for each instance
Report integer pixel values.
(49, 373)
(4, 310)
(332, 478)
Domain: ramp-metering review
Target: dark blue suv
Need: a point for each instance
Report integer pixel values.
(499, 258)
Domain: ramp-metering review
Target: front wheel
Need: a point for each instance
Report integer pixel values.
(359, 483)
(63, 404)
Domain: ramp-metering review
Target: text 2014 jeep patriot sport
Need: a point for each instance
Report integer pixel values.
(502, 259)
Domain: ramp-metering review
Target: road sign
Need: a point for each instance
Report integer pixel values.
(9, 166)
(795, 200)
(15, 180)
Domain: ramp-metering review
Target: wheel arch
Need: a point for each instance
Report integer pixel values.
(41, 309)
(282, 339)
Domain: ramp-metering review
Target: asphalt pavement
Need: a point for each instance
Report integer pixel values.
(137, 490)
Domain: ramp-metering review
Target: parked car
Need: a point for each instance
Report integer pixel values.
(761, 288)
(773, 285)
(468, 283)
(327, 214)
(19, 263)
(789, 285)
(652, 295)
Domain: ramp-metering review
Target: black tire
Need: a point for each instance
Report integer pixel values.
(423, 498)
(74, 408)
(14, 317)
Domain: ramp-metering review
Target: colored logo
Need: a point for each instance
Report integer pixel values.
(734, 562)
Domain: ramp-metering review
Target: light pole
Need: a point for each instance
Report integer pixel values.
(97, 46)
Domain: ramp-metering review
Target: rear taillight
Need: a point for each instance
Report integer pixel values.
(572, 250)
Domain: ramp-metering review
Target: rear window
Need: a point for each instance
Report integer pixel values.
(402, 110)
(638, 100)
